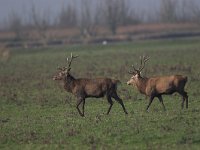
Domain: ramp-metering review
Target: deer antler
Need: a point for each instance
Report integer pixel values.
(70, 61)
(143, 60)
(131, 72)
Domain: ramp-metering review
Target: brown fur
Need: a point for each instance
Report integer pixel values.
(158, 86)
(83, 88)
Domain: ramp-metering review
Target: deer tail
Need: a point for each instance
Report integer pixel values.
(185, 79)
(116, 82)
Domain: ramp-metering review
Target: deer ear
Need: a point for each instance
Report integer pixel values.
(137, 75)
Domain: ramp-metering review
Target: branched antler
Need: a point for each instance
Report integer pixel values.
(69, 61)
(143, 60)
(132, 72)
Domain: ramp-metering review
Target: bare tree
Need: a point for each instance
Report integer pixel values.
(118, 12)
(15, 25)
(184, 13)
(19, 28)
(68, 16)
(41, 23)
(127, 14)
(168, 11)
(89, 18)
(112, 14)
(195, 12)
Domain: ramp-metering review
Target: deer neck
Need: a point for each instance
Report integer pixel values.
(141, 83)
(69, 83)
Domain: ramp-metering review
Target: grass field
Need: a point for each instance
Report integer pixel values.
(34, 114)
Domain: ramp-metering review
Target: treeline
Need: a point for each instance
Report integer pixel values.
(109, 14)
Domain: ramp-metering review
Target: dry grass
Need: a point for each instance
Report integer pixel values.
(65, 36)
(149, 28)
(141, 28)
(5, 53)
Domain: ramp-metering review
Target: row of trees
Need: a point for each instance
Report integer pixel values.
(106, 13)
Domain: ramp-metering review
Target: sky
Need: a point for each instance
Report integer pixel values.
(22, 7)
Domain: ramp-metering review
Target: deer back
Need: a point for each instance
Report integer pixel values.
(165, 84)
(94, 87)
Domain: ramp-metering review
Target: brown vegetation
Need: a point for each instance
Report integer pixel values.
(96, 21)
(4, 53)
(59, 36)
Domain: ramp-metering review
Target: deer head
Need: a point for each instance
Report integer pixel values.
(137, 72)
(64, 71)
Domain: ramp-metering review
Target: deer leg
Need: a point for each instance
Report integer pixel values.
(184, 97)
(83, 107)
(77, 106)
(161, 100)
(183, 100)
(119, 100)
(150, 101)
(111, 103)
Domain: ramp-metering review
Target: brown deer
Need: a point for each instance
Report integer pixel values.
(83, 88)
(158, 86)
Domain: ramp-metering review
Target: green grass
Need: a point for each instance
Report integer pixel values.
(34, 115)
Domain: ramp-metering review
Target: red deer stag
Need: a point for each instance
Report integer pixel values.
(158, 86)
(83, 88)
